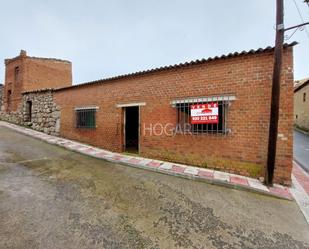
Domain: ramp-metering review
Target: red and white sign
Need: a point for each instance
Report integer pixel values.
(205, 113)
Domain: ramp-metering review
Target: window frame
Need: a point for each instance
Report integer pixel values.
(183, 107)
(85, 121)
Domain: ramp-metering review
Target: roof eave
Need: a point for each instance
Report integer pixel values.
(196, 62)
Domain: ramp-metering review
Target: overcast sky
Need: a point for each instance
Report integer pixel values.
(108, 38)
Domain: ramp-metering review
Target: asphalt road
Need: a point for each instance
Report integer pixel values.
(301, 149)
(51, 198)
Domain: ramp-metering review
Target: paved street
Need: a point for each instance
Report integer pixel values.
(54, 198)
(301, 149)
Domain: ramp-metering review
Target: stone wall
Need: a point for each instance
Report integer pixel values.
(25, 74)
(45, 114)
(12, 117)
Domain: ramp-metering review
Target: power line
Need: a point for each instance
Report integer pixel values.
(288, 37)
(275, 90)
(300, 15)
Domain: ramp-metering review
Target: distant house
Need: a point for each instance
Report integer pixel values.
(301, 104)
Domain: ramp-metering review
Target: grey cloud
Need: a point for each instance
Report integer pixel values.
(107, 38)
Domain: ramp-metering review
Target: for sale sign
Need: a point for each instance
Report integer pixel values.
(205, 113)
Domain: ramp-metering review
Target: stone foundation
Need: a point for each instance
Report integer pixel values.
(45, 114)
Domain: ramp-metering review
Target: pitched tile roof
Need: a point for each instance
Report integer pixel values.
(299, 84)
(195, 62)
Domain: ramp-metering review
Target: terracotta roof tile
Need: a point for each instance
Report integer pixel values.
(195, 62)
(299, 84)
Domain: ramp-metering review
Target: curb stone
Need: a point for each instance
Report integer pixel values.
(189, 172)
(300, 189)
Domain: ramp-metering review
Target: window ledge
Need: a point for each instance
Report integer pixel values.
(86, 108)
(203, 99)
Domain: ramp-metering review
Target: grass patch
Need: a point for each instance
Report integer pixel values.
(238, 167)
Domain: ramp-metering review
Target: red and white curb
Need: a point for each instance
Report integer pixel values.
(185, 171)
(300, 189)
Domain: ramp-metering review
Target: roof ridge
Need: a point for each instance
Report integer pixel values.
(34, 57)
(162, 68)
(45, 58)
(302, 80)
(183, 64)
(299, 84)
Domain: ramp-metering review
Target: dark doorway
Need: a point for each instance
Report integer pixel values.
(9, 101)
(132, 129)
(28, 111)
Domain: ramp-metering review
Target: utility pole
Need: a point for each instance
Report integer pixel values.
(275, 91)
(275, 95)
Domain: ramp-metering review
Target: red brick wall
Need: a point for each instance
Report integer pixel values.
(34, 73)
(243, 151)
(284, 157)
(46, 73)
(16, 87)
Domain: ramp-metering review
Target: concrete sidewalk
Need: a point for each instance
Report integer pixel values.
(300, 189)
(180, 170)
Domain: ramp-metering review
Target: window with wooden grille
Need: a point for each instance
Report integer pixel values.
(86, 117)
(203, 115)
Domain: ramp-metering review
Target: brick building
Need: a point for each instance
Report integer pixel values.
(25, 73)
(211, 113)
(301, 104)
